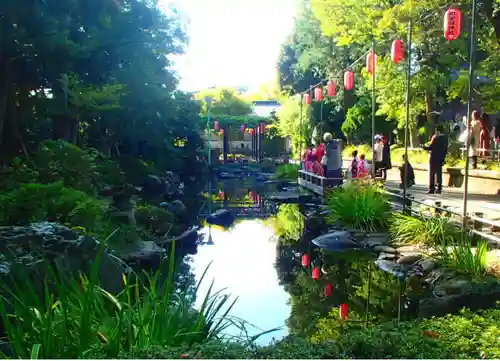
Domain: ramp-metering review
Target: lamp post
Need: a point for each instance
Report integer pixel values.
(469, 108)
(208, 100)
(407, 120)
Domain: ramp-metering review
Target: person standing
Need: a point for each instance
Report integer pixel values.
(378, 150)
(438, 148)
(333, 159)
(386, 156)
(475, 135)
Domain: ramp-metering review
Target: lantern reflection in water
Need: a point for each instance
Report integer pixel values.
(315, 273)
(343, 311)
(305, 260)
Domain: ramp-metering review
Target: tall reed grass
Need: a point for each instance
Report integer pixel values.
(74, 317)
(407, 229)
(358, 205)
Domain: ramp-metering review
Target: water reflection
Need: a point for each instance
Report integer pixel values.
(243, 262)
(258, 260)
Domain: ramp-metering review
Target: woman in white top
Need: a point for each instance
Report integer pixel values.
(378, 152)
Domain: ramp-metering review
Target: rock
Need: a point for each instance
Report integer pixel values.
(375, 239)
(285, 197)
(187, 238)
(385, 249)
(410, 260)
(144, 253)
(387, 256)
(176, 207)
(409, 250)
(427, 265)
(33, 247)
(337, 241)
(222, 217)
(398, 270)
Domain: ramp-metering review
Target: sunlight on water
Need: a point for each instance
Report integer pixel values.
(243, 262)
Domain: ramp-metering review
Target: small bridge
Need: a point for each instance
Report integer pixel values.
(316, 183)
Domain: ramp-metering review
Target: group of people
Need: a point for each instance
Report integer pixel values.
(326, 159)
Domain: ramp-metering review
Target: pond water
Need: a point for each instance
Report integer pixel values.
(258, 261)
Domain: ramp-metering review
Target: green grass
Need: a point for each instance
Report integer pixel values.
(76, 318)
(358, 205)
(462, 258)
(406, 229)
(287, 171)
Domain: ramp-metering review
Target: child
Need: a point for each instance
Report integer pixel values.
(354, 165)
(411, 174)
(362, 168)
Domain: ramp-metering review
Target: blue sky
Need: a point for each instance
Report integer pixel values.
(232, 42)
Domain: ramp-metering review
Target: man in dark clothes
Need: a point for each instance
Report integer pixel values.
(438, 148)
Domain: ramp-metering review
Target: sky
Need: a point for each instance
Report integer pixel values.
(232, 42)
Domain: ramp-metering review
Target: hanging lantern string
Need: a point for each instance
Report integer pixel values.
(324, 81)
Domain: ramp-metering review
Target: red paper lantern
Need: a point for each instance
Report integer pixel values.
(327, 290)
(348, 80)
(221, 194)
(318, 94)
(397, 51)
(315, 273)
(307, 99)
(251, 131)
(305, 260)
(216, 125)
(371, 60)
(452, 24)
(343, 311)
(243, 127)
(222, 132)
(331, 88)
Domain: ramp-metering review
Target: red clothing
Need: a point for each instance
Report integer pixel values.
(320, 151)
(317, 168)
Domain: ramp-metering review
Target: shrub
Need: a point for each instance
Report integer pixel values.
(61, 161)
(431, 231)
(465, 336)
(50, 202)
(358, 205)
(81, 320)
(156, 220)
(136, 170)
(287, 171)
(461, 257)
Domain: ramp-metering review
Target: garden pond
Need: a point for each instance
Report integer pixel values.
(259, 260)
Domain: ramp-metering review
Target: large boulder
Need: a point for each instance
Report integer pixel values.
(223, 217)
(143, 254)
(338, 241)
(35, 247)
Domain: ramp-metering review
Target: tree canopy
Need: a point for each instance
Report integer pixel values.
(95, 73)
(330, 34)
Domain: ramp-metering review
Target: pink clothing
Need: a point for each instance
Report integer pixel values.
(362, 171)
